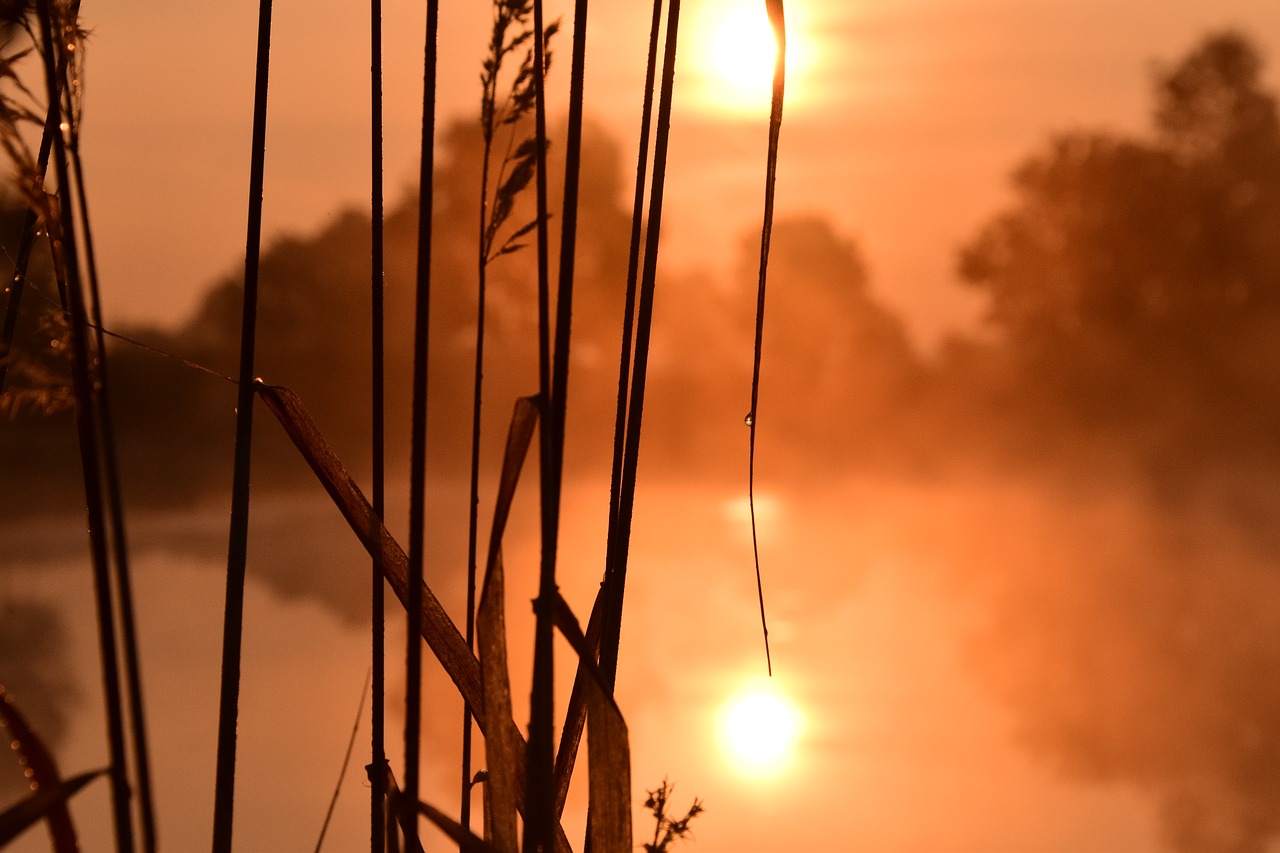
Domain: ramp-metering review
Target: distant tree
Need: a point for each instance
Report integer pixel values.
(1134, 293)
(1134, 286)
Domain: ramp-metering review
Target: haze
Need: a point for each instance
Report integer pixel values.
(1015, 466)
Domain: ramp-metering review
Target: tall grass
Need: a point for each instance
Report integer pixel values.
(524, 780)
(237, 549)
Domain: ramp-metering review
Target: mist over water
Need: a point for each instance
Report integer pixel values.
(1023, 588)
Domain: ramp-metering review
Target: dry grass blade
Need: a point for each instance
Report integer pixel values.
(505, 762)
(441, 635)
(777, 20)
(608, 747)
(89, 417)
(575, 715)
(466, 842)
(44, 803)
(43, 771)
(519, 437)
(398, 815)
(609, 773)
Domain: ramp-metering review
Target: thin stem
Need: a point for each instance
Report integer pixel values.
(777, 20)
(346, 761)
(90, 456)
(539, 827)
(615, 554)
(617, 573)
(233, 620)
(378, 754)
(418, 451)
(473, 506)
(119, 539)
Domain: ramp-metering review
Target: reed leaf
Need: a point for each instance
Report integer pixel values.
(438, 630)
(608, 749)
(43, 771)
(777, 20)
(44, 804)
(505, 763)
(466, 842)
(399, 816)
(575, 714)
(442, 636)
(88, 418)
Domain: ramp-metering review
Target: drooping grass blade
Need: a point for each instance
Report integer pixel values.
(777, 21)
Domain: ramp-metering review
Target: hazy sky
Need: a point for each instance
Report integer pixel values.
(903, 128)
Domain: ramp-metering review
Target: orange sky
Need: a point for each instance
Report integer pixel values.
(917, 113)
(914, 114)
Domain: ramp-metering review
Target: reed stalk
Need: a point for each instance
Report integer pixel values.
(418, 450)
(237, 549)
(539, 827)
(87, 414)
(377, 770)
(616, 568)
(115, 509)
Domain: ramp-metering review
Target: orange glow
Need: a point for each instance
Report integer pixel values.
(735, 55)
(760, 726)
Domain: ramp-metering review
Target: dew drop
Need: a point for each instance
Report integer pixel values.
(750, 419)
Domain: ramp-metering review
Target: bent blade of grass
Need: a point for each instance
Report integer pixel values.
(441, 634)
(466, 841)
(777, 20)
(399, 816)
(44, 773)
(575, 715)
(608, 747)
(42, 805)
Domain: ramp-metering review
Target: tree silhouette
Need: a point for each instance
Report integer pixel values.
(1135, 285)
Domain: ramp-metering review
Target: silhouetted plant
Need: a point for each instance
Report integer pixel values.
(666, 829)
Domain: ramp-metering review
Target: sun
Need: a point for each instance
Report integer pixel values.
(759, 727)
(735, 55)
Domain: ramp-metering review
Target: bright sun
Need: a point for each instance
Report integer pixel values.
(760, 726)
(737, 54)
